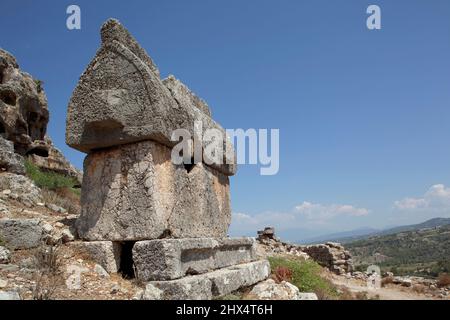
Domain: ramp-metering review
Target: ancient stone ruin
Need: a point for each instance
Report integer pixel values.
(142, 215)
(332, 256)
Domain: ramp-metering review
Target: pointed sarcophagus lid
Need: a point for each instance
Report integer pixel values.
(121, 99)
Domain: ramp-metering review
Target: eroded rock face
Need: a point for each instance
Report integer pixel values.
(135, 192)
(123, 115)
(24, 117)
(55, 161)
(23, 106)
(168, 259)
(22, 233)
(20, 188)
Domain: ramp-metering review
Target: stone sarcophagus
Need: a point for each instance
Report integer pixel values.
(123, 116)
(144, 214)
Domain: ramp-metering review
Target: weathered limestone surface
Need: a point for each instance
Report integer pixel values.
(214, 284)
(105, 253)
(23, 106)
(135, 192)
(120, 99)
(20, 188)
(22, 233)
(9, 160)
(24, 117)
(53, 160)
(141, 213)
(270, 290)
(332, 256)
(169, 259)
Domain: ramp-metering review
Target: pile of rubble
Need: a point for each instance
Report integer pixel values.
(332, 256)
(269, 244)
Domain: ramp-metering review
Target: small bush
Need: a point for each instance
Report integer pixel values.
(281, 274)
(306, 275)
(387, 280)
(48, 180)
(443, 280)
(47, 259)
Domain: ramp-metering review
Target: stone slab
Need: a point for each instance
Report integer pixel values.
(105, 253)
(214, 284)
(168, 259)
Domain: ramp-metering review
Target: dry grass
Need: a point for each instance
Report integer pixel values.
(443, 280)
(48, 275)
(62, 197)
(419, 288)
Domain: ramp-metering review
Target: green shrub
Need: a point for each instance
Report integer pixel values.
(48, 180)
(39, 84)
(306, 275)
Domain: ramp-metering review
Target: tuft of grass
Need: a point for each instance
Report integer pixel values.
(306, 275)
(39, 84)
(48, 180)
(443, 280)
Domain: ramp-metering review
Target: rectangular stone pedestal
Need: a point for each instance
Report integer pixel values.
(169, 259)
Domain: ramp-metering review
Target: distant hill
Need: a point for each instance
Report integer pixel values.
(340, 236)
(432, 223)
(417, 249)
(364, 233)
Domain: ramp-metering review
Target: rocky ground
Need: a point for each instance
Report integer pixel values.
(52, 268)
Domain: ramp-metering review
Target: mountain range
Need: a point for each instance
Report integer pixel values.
(366, 232)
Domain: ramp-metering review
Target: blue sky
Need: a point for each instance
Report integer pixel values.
(363, 115)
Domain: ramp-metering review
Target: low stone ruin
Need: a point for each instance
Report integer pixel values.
(329, 255)
(267, 234)
(332, 256)
(269, 244)
(142, 215)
